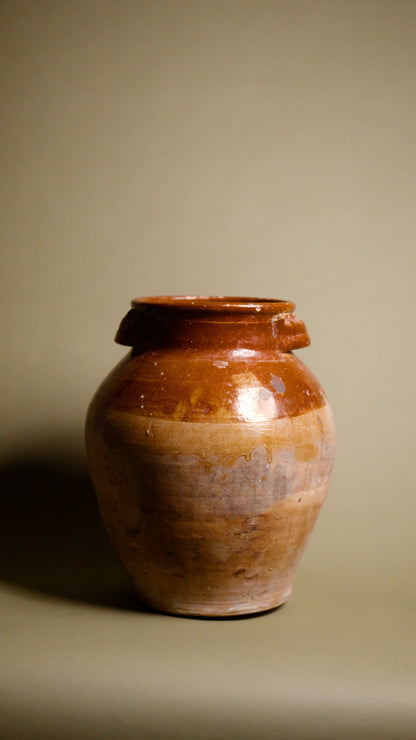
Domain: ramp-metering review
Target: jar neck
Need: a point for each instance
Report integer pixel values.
(244, 325)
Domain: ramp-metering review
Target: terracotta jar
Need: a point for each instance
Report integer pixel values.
(210, 447)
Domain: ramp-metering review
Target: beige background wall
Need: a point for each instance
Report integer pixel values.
(259, 148)
(253, 147)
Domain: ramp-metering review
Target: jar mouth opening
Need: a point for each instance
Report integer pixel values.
(229, 304)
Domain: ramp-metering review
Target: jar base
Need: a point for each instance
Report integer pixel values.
(214, 609)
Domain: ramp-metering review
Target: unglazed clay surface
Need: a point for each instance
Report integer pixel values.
(211, 447)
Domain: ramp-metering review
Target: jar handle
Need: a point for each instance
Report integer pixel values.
(136, 330)
(290, 332)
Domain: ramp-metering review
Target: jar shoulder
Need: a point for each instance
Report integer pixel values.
(240, 386)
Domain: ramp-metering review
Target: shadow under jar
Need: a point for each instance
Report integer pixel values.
(210, 447)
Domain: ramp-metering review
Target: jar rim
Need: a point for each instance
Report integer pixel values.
(233, 304)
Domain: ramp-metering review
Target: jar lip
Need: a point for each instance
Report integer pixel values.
(228, 304)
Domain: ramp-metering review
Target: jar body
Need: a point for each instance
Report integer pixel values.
(211, 462)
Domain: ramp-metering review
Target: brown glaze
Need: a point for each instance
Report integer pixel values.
(210, 447)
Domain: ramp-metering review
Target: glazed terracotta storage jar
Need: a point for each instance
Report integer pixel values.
(210, 448)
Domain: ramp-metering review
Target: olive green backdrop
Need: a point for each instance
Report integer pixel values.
(226, 147)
